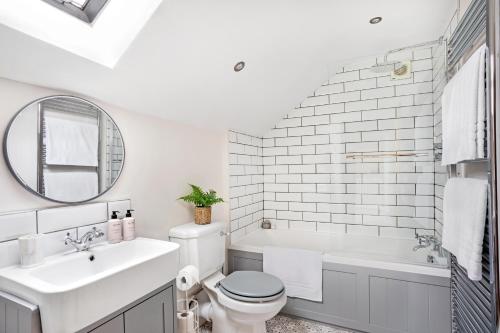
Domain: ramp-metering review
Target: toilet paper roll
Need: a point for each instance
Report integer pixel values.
(185, 322)
(187, 278)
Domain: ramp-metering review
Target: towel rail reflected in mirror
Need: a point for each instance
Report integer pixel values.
(64, 149)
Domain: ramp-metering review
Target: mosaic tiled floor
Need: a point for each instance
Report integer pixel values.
(285, 324)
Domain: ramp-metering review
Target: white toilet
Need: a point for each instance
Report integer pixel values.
(240, 302)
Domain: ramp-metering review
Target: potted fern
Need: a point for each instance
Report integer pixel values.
(203, 202)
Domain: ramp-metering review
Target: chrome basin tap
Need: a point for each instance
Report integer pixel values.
(83, 243)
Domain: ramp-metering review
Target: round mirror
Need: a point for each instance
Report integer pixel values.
(64, 149)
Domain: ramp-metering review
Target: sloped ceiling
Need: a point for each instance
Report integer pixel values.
(180, 66)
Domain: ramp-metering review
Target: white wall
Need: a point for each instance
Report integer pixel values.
(161, 158)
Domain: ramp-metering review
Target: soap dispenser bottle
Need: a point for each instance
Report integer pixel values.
(115, 228)
(129, 226)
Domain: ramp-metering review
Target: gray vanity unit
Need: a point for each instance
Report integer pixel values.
(368, 299)
(153, 313)
(18, 316)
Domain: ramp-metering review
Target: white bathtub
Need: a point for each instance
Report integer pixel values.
(367, 251)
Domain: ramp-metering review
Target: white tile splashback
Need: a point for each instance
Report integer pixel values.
(100, 226)
(54, 242)
(10, 253)
(14, 225)
(55, 223)
(55, 219)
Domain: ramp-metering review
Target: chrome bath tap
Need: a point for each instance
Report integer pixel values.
(83, 243)
(428, 240)
(423, 242)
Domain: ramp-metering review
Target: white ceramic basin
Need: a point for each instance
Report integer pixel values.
(73, 292)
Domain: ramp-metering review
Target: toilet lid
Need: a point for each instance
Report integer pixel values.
(252, 286)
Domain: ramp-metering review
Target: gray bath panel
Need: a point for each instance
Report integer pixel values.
(369, 300)
(403, 306)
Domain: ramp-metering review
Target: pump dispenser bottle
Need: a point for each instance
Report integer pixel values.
(115, 229)
(129, 226)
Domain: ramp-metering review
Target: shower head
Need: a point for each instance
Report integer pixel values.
(400, 68)
(386, 67)
(395, 68)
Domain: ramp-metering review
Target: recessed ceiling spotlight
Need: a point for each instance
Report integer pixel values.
(375, 20)
(239, 66)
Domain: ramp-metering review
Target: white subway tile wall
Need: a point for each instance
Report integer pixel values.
(10, 253)
(311, 184)
(55, 223)
(246, 175)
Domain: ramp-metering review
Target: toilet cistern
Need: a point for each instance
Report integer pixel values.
(238, 303)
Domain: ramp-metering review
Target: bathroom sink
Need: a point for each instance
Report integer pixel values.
(76, 289)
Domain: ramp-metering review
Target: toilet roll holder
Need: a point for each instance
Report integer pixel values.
(188, 318)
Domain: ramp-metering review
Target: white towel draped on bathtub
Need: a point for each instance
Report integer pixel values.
(300, 270)
(464, 111)
(464, 215)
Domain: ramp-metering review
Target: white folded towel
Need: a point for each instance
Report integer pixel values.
(71, 141)
(482, 114)
(70, 185)
(464, 215)
(300, 270)
(464, 111)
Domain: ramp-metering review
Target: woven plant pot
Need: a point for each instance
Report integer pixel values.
(202, 215)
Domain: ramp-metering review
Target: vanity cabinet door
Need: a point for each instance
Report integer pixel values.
(154, 315)
(115, 325)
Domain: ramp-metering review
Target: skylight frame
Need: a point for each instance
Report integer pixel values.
(79, 3)
(84, 10)
(102, 42)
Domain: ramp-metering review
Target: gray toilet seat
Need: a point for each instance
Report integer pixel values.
(250, 286)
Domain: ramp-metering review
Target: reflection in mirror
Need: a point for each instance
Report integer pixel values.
(64, 149)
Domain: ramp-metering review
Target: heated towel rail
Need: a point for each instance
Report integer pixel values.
(475, 303)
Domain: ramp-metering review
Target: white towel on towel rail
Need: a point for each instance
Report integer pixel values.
(464, 215)
(71, 141)
(464, 111)
(300, 270)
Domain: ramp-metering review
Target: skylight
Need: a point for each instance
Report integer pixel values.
(113, 26)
